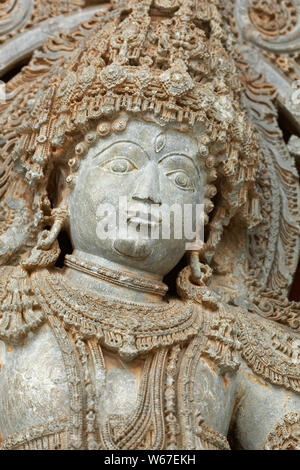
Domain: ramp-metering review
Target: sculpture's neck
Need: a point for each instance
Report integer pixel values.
(111, 279)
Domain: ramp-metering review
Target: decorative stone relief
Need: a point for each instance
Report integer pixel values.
(154, 102)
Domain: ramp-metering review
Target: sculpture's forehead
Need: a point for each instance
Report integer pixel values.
(154, 139)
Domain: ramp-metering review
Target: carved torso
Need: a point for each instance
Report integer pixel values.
(75, 389)
(137, 405)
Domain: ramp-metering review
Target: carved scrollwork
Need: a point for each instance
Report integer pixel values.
(14, 14)
(18, 15)
(274, 243)
(271, 351)
(277, 308)
(273, 19)
(270, 25)
(286, 435)
(267, 33)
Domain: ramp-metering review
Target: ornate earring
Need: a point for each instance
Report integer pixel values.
(200, 273)
(192, 283)
(47, 251)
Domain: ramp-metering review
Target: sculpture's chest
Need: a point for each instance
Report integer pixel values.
(89, 398)
(33, 384)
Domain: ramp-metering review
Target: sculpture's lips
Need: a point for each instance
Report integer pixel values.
(143, 218)
(142, 222)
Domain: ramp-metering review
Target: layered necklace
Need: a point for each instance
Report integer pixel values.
(119, 278)
(129, 328)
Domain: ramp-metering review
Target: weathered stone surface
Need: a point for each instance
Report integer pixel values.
(148, 102)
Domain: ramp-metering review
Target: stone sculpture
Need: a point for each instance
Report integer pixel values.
(150, 100)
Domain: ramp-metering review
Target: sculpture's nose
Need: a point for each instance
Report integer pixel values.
(147, 188)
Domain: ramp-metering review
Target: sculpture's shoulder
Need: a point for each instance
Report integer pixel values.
(270, 349)
(20, 312)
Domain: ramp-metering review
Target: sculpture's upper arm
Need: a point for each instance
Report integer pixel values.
(267, 415)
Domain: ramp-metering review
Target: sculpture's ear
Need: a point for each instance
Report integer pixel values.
(47, 250)
(57, 189)
(56, 216)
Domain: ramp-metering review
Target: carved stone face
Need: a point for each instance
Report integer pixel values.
(145, 165)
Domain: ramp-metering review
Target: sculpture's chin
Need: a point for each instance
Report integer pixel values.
(138, 249)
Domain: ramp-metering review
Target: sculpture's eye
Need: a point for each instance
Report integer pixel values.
(119, 166)
(181, 180)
